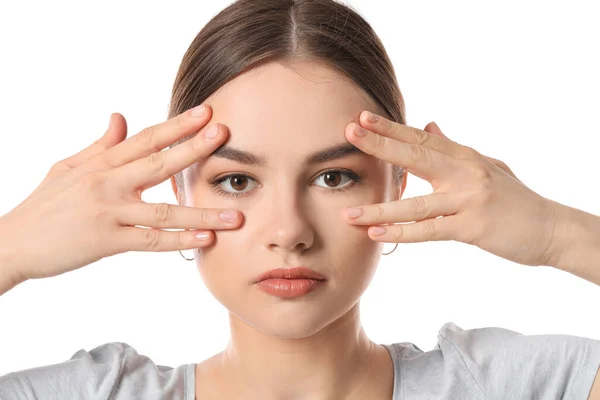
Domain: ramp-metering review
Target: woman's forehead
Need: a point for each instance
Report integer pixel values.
(274, 102)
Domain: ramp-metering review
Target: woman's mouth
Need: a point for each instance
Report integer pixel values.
(290, 282)
(289, 288)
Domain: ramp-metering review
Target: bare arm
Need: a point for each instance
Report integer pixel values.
(8, 278)
(89, 205)
(577, 249)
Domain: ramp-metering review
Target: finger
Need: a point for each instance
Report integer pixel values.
(164, 215)
(157, 167)
(408, 134)
(116, 133)
(413, 209)
(421, 161)
(154, 239)
(153, 139)
(433, 229)
(502, 165)
(433, 128)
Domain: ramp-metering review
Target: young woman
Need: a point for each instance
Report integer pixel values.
(308, 114)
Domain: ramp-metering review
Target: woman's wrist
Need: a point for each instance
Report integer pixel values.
(576, 248)
(9, 276)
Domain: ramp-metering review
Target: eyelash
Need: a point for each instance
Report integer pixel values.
(354, 177)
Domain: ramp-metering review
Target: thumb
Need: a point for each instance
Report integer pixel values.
(116, 133)
(433, 128)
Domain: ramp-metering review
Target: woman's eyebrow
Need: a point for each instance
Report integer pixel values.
(256, 160)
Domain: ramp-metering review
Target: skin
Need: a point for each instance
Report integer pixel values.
(312, 353)
(312, 347)
(324, 353)
(321, 350)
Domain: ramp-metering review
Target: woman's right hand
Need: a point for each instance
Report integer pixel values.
(89, 204)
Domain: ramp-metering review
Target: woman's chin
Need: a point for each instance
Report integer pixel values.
(288, 328)
(285, 320)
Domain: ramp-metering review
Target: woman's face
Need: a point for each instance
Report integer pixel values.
(292, 208)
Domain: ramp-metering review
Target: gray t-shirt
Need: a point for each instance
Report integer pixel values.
(485, 363)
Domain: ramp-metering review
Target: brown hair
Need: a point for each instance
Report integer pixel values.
(249, 33)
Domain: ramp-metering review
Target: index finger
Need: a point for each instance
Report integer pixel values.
(409, 134)
(156, 137)
(420, 161)
(149, 171)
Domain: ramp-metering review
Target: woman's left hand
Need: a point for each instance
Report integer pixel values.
(479, 198)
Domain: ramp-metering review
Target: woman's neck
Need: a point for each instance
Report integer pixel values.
(338, 362)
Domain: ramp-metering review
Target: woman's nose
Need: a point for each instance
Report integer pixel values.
(287, 225)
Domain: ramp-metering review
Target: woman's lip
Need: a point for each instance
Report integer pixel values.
(288, 288)
(291, 273)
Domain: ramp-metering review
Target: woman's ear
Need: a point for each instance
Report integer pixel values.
(174, 186)
(400, 191)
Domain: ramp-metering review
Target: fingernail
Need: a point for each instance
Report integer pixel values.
(228, 216)
(377, 230)
(110, 121)
(360, 131)
(212, 132)
(203, 236)
(354, 212)
(198, 111)
(372, 118)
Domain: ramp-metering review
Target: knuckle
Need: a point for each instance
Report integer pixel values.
(502, 165)
(156, 161)
(469, 153)
(380, 142)
(162, 212)
(152, 238)
(179, 121)
(103, 161)
(390, 126)
(96, 186)
(482, 200)
(481, 173)
(101, 214)
(90, 181)
(418, 154)
(58, 167)
(147, 138)
(181, 241)
(206, 218)
(419, 207)
(430, 228)
(100, 146)
(193, 144)
(379, 212)
(421, 137)
(398, 233)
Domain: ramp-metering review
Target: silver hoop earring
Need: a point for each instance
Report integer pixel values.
(385, 254)
(191, 259)
(188, 259)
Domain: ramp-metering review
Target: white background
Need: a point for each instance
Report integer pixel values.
(515, 80)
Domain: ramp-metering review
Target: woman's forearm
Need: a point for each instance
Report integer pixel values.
(577, 244)
(8, 261)
(6, 280)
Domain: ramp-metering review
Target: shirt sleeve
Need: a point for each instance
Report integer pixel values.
(510, 365)
(110, 371)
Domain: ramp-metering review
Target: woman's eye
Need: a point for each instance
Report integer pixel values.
(234, 185)
(237, 185)
(333, 179)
